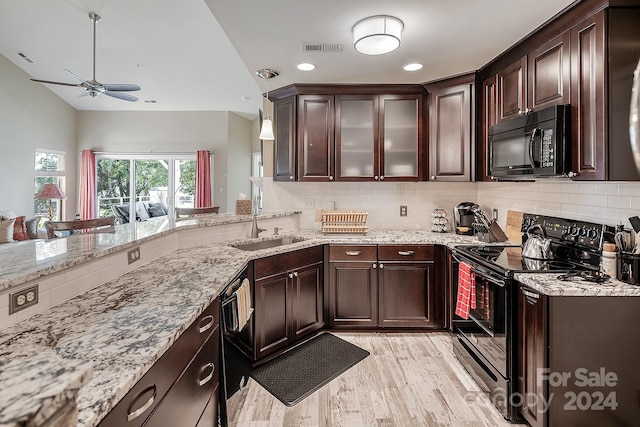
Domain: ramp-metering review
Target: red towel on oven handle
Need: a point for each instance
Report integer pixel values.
(466, 298)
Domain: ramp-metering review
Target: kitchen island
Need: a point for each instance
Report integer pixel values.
(107, 338)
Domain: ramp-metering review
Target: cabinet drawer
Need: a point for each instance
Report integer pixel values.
(185, 403)
(353, 253)
(134, 408)
(405, 253)
(276, 264)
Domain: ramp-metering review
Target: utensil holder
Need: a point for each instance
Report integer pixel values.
(493, 235)
(629, 268)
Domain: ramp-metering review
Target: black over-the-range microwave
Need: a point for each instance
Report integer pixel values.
(535, 145)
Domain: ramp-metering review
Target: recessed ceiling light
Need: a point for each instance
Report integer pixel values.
(305, 66)
(412, 67)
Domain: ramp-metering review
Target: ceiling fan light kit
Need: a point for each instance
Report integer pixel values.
(92, 87)
(377, 35)
(266, 131)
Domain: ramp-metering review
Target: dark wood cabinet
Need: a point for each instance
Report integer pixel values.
(407, 289)
(512, 90)
(532, 353)
(284, 159)
(288, 299)
(548, 74)
(349, 132)
(489, 115)
(451, 128)
(394, 287)
(315, 127)
(186, 375)
(353, 287)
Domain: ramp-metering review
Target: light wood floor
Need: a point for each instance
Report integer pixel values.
(410, 379)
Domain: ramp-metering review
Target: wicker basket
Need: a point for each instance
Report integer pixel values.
(344, 222)
(243, 207)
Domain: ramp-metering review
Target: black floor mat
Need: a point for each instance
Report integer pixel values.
(302, 370)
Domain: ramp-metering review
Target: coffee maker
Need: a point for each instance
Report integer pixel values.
(464, 217)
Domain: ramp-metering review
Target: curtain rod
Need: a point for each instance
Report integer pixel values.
(152, 153)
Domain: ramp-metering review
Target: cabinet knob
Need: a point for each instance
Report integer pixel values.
(572, 174)
(375, 266)
(375, 177)
(520, 112)
(381, 177)
(527, 111)
(295, 274)
(291, 177)
(433, 177)
(381, 265)
(330, 177)
(290, 275)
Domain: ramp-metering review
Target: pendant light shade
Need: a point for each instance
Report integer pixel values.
(266, 131)
(377, 35)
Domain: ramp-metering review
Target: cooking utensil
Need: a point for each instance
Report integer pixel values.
(587, 275)
(635, 223)
(537, 246)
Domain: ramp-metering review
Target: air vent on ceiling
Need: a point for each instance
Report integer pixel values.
(150, 101)
(321, 47)
(25, 57)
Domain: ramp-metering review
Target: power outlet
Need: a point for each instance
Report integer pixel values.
(23, 298)
(309, 203)
(133, 255)
(403, 210)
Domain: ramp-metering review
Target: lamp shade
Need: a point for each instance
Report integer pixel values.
(50, 191)
(266, 132)
(377, 35)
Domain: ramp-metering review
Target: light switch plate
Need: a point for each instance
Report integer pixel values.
(403, 210)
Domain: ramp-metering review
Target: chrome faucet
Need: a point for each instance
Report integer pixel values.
(255, 230)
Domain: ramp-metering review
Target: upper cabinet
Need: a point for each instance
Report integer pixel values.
(451, 128)
(349, 133)
(586, 58)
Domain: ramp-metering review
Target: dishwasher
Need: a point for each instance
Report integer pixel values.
(236, 308)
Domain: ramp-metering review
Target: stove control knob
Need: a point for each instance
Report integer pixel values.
(583, 232)
(575, 230)
(593, 234)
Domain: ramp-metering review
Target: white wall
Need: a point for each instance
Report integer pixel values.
(239, 149)
(31, 116)
(158, 132)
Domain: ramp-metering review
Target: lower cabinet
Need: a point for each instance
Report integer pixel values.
(288, 299)
(182, 382)
(577, 359)
(388, 286)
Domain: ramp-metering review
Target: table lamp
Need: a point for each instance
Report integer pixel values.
(49, 192)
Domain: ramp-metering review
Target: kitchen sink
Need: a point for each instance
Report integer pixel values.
(269, 243)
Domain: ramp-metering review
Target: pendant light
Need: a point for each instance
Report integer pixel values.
(266, 132)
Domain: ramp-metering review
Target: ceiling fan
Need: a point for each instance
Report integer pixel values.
(93, 87)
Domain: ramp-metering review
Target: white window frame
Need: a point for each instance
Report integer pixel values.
(60, 174)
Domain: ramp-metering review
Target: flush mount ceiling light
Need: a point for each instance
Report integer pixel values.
(266, 131)
(377, 35)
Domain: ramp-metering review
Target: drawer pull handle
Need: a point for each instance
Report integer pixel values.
(135, 414)
(206, 323)
(530, 296)
(203, 381)
(353, 253)
(405, 253)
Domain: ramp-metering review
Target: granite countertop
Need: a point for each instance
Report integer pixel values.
(549, 284)
(99, 333)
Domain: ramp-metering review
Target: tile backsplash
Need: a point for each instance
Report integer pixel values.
(602, 202)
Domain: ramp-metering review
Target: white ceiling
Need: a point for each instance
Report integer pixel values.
(192, 55)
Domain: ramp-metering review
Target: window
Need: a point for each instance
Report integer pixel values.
(169, 179)
(49, 169)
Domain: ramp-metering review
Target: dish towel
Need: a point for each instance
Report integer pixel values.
(466, 298)
(243, 294)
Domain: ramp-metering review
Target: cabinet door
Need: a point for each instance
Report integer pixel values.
(489, 118)
(271, 314)
(316, 138)
(588, 101)
(401, 124)
(209, 417)
(284, 158)
(357, 157)
(185, 403)
(353, 295)
(512, 90)
(532, 355)
(406, 295)
(450, 128)
(307, 300)
(548, 69)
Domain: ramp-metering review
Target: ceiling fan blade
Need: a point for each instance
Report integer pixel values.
(57, 83)
(124, 96)
(84, 82)
(121, 87)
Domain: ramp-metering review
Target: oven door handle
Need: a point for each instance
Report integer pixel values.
(479, 271)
